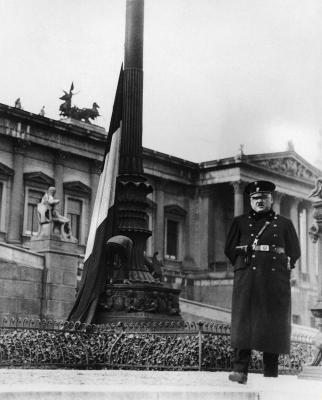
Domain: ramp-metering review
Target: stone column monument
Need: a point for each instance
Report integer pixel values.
(141, 296)
(314, 370)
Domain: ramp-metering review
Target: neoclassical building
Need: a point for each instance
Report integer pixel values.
(190, 209)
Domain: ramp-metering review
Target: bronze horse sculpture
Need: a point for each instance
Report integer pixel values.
(80, 114)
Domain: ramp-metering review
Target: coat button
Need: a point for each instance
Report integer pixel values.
(253, 256)
(251, 234)
(254, 267)
(250, 225)
(274, 258)
(275, 235)
(275, 226)
(273, 269)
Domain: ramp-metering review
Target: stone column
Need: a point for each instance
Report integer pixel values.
(158, 234)
(96, 169)
(313, 370)
(59, 179)
(294, 213)
(17, 194)
(315, 233)
(294, 216)
(204, 206)
(239, 187)
(277, 202)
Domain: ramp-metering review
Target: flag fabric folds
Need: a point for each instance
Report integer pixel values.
(102, 222)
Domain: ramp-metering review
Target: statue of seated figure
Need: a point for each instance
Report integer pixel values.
(50, 221)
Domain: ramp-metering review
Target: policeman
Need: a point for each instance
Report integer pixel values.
(262, 247)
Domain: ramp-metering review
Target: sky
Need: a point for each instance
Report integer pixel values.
(217, 73)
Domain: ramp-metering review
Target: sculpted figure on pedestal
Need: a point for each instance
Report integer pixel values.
(50, 221)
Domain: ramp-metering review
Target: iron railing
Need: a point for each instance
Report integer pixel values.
(148, 345)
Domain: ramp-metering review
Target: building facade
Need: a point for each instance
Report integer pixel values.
(190, 209)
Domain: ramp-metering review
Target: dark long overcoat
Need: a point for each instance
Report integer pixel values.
(261, 303)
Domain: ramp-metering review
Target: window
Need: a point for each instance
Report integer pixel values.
(74, 213)
(172, 239)
(296, 319)
(174, 228)
(36, 184)
(33, 199)
(77, 209)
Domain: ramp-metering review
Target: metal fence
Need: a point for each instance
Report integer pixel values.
(156, 345)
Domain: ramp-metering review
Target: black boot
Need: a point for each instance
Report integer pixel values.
(240, 377)
(270, 361)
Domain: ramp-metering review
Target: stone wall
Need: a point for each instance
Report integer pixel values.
(21, 275)
(38, 285)
(216, 292)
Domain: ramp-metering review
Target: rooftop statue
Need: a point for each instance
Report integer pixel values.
(42, 111)
(81, 114)
(18, 103)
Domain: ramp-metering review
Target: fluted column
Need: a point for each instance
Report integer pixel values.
(17, 194)
(131, 146)
(132, 219)
(96, 168)
(277, 202)
(59, 179)
(239, 187)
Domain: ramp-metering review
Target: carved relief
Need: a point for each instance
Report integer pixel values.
(145, 300)
(288, 166)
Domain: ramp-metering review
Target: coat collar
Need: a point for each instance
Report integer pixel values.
(269, 215)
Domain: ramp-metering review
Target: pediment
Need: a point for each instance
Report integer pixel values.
(174, 209)
(287, 163)
(38, 178)
(77, 187)
(5, 171)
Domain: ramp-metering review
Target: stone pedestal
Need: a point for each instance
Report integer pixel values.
(84, 125)
(60, 275)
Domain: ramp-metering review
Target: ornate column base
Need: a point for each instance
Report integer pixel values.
(131, 303)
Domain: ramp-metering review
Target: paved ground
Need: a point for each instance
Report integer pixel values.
(143, 385)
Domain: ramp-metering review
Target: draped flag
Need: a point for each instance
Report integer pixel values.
(101, 229)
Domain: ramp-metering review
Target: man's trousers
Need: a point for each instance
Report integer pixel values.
(242, 360)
